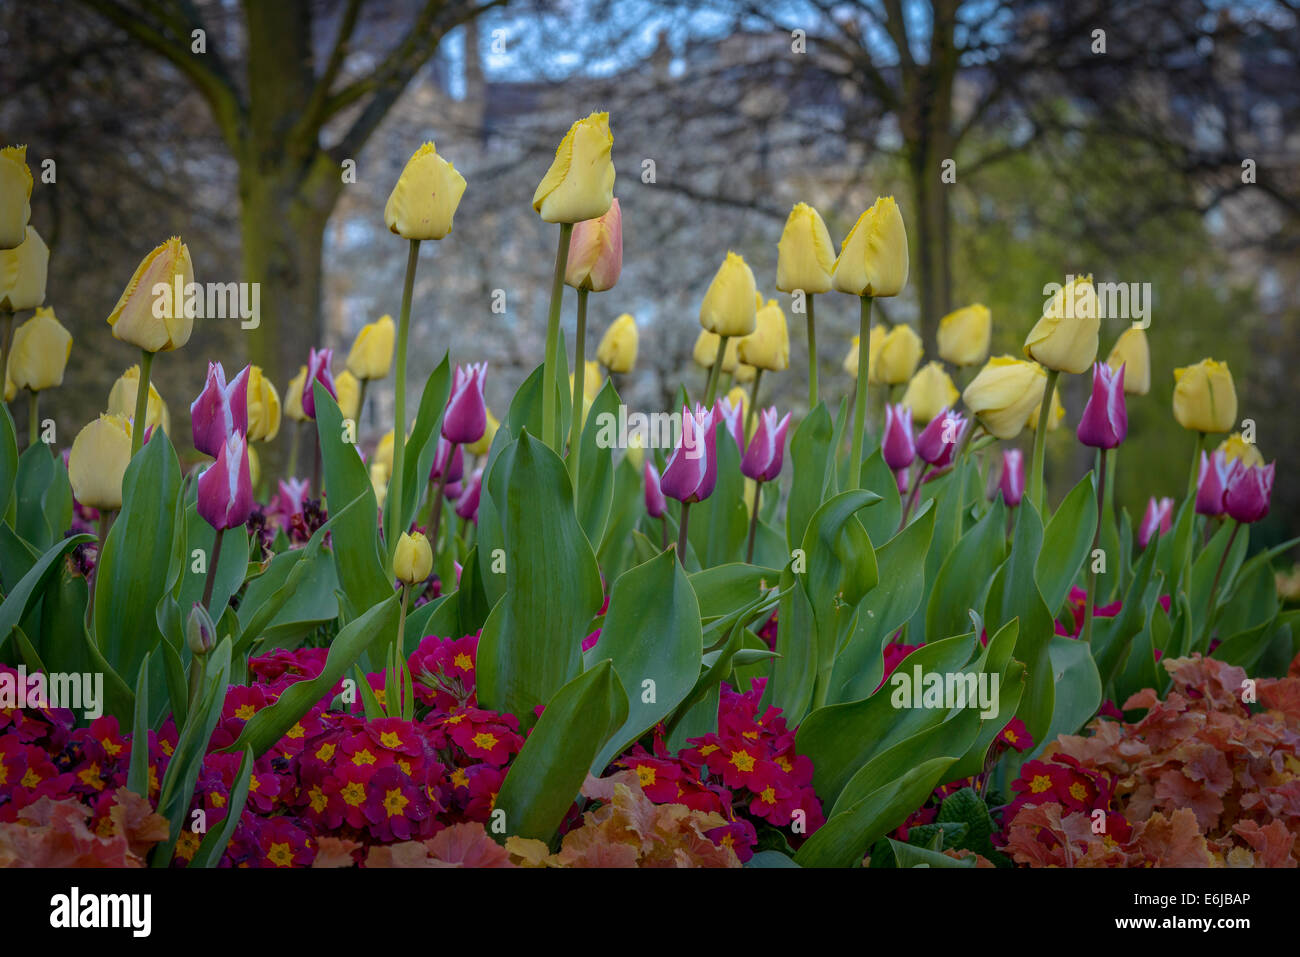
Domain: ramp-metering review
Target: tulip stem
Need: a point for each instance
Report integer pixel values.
(860, 398)
(393, 512)
(33, 416)
(753, 404)
(812, 354)
(550, 400)
(400, 647)
(101, 535)
(1040, 441)
(1196, 464)
(681, 533)
(361, 402)
(141, 402)
(1090, 600)
(579, 390)
(1214, 588)
(212, 570)
(436, 518)
(663, 532)
(753, 524)
(714, 373)
(911, 495)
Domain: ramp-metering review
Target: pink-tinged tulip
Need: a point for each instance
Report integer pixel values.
(465, 420)
(291, 497)
(1159, 516)
(447, 459)
(766, 452)
(452, 492)
(225, 488)
(733, 417)
(467, 501)
(898, 446)
(692, 469)
(220, 410)
(654, 496)
(938, 441)
(1217, 471)
(900, 479)
(1249, 491)
(1012, 482)
(1104, 422)
(318, 370)
(596, 252)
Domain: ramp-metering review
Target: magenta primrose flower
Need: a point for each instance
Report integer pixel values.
(1212, 483)
(466, 417)
(937, 442)
(1012, 482)
(1159, 516)
(220, 409)
(898, 447)
(1249, 491)
(225, 489)
(766, 452)
(318, 370)
(654, 496)
(1104, 422)
(692, 469)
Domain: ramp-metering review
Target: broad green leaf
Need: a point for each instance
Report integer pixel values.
(810, 456)
(421, 448)
(718, 526)
(1078, 687)
(215, 841)
(1067, 541)
(905, 855)
(794, 672)
(724, 589)
(966, 573)
(881, 523)
(596, 483)
(1111, 637)
(8, 460)
(30, 588)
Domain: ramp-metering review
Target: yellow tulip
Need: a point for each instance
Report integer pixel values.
(22, 273)
(121, 401)
(1004, 393)
(592, 379)
(930, 392)
(39, 353)
(371, 355)
(1235, 447)
(263, 407)
(728, 308)
(706, 348)
(1132, 352)
(873, 259)
(618, 347)
(379, 482)
(347, 389)
(805, 254)
(423, 203)
(156, 321)
(877, 336)
(1065, 338)
(98, 460)
(481, 447)
(413, 559)
(964, 335)
(1205, 399)
(636, 450)
(741, 372)
(15, 196)
(580, 182)
(896, 359)
(768, 347)
(254, 466)
(293, 396)
(384, 452)
(739, 399)
(1054, 418)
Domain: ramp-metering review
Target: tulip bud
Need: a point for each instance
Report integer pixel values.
(15, 196)
(1212, 482)
(1004, 393)
(121, 401)
(580, 182)
(876, 338)
(617, 349)
(896, 359)
(1205, 399)
(729, 308)
(938, 441)
(1065, 338)
(900, 480)
(200, 632)
(1237, 449)
(1104, 423)
(447, 458)
(1131, 350)
(1055, 415)
(768, 347)
(220, 410)
(379, 482)
(654, 496)
(467, 501)
(465, 419)
(873, 259)
(413, 559)
(23, 271)
(805, 255)
(1159, 516)
(898, 447)
(1249, 491)
(596, 252)
(691, 471)
(371, 355)
(484, 444)
(39, 352)
(263, 407)
(318, 370)
(732, 415)
(1012, 482)
(151, 311)
(225, 488)
(424, 201)
(929, 393)
(964, 335)
(592, 379)
(347, 392)
(293, 396)
(98, 460)
(766, 452)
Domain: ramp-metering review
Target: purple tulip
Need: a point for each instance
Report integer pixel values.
(453, 490)
(455, 469)
(219, 410)
(1159, 516)
(898, 446)
(692, 469)
(900, 479)
(1104, 422)
(766, 452)
(1249, 491)
(467, 502)
(465, 420)
(734, 419)
(225, 488)
(1212, 484)
(654, 496)
(291, 497)
(1012, 482)
(937, 442)
(318, 370)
